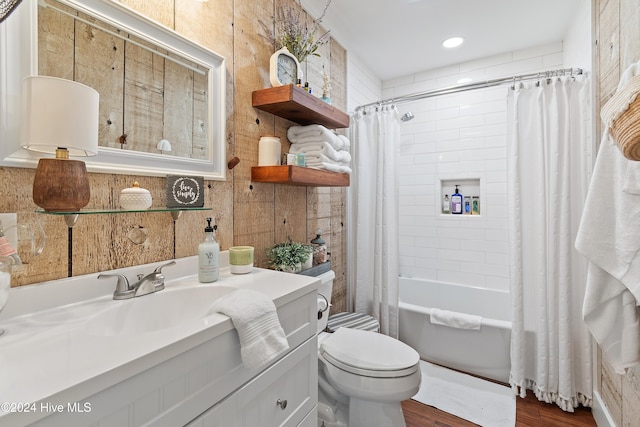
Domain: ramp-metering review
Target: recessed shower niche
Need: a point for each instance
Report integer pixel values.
(457, 197)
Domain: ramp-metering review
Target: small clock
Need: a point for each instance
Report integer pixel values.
(284, 68)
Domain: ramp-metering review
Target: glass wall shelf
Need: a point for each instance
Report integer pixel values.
(72, 217)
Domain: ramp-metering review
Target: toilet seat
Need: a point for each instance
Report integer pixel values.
(369, 354)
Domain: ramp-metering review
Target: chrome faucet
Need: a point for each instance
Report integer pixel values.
(145, 285)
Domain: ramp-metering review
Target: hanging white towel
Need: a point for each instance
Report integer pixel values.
(455, 319)
(254, 316)
(608, 238)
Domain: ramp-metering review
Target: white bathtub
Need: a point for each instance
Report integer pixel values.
(483, 352)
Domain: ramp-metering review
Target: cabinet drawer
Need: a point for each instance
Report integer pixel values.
(285, 393)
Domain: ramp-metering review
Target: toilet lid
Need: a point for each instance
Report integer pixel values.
(357, 351)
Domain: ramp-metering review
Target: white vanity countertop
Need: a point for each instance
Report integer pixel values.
(48, 355)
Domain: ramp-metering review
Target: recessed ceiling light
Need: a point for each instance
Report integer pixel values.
(453, 42)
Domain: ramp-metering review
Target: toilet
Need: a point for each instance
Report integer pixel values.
(363, 376)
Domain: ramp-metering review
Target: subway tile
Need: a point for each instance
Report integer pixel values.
(485, 269)
(419, 271)
(406, 241)
(461, 233)
(447, 243)
(496, 118)
(399, 81)
(406, 261)
(495, 165)
(498, 283)
(423, 144)
(497, 258)
(407, 220)
(484, 154)
(553, 61)
(487, 62)
(523, 66)
(438, 72)
(496, 188)
(538, 51)
(470, 279)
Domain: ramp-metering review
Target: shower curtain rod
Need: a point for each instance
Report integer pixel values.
(472, 86)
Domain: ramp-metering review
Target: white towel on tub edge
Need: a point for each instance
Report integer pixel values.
(455, 319)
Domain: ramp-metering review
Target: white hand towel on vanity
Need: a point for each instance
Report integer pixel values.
(254, 316)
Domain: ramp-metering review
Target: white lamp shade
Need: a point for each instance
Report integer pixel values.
(59, 113)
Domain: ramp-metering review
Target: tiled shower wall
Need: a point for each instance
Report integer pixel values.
(459, 137)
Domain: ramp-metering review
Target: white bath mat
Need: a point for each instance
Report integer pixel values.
(481, 402)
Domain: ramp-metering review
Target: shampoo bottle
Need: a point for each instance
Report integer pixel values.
(208, 256)
(456, 202)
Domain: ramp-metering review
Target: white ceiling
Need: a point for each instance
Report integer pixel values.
(400, 37)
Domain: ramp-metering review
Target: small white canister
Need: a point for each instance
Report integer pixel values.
(269, 151)
(135, 198)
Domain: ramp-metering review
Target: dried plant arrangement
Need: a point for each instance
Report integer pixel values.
(295, 33)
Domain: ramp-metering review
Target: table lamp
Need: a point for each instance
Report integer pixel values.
(60, 116)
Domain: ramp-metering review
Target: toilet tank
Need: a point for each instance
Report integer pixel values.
(324, 290)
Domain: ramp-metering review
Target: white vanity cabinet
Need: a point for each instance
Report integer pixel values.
(283, 395)
(200, 380)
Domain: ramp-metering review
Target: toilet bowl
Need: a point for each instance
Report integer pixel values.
(363, 376)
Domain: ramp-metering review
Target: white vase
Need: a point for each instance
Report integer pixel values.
(308, 263)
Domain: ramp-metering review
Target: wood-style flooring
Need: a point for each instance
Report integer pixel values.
(530, 412)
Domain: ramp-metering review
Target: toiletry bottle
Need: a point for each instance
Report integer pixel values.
(467, 205)
(446, 205)
(208, 256)
(456, 202)
(475, 205)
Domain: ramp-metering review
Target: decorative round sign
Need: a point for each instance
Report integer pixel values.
(185, 191)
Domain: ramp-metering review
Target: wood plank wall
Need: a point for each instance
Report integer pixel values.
(617, 33)
(246, 213)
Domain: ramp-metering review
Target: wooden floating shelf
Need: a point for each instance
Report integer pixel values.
(297, 175)
(295, 104)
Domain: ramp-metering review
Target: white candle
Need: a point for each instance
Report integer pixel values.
(269, 151)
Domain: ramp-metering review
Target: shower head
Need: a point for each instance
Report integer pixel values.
(407, 116)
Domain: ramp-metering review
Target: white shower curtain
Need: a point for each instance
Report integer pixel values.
(548, 152)
(373, 211)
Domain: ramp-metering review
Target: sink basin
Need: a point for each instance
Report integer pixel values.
(161, 310)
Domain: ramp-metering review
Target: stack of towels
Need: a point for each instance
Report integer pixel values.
(323, 149)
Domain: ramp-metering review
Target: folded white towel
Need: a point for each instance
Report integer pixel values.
(315, 133)
(316, 157)
(317, 149)
(324, 147)
(454, 319)
(254, 316)
(333, 167)
(346, 144)
(297, 131)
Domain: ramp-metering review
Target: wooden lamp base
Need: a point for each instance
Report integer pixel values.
(61, 185)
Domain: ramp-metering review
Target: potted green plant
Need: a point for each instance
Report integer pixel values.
(288, 256)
